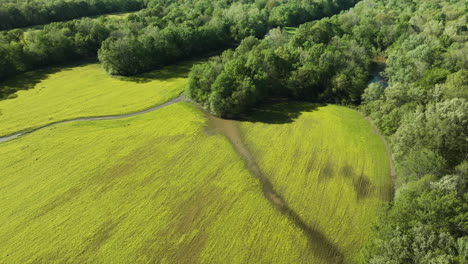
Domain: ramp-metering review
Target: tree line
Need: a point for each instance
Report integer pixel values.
(315, 64)
(163, 33)
(23, 13)
(191, 28)
(56, 43)
(423, 111)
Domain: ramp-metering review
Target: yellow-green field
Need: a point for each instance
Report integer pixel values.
(156, 188)
(328, 165)
(291, 30)
(82, 91)
(169, 187)
(121, 15)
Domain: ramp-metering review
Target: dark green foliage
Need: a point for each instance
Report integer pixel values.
(424, 111)
(231, 84)
(131, 54)
(442, 128)
(163, 33)
(183, 29)
(426, 224)
(457, 85)
(125, 51)
(22, 13)
(420, 162)
(314, 64)
(55, 43)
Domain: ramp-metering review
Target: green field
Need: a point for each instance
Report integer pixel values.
(82, 91)
(170, 192)
(121, 15)
(328, 164)
(291, 30)
(169, 187)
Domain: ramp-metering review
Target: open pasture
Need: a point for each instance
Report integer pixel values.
(291, 30)
(170, 187)
(328, 165)
(86, 90)
(156, 188)
(120, 15)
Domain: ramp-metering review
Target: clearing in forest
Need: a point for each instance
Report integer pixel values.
(47, 96)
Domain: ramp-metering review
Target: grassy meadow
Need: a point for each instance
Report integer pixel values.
(156, 188)
(86, 90)
(121, 15)
(167, 187)
(291, 30)
(328, 165)
(173, 185)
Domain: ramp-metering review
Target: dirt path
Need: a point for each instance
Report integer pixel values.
(318, 242)
(110, 117)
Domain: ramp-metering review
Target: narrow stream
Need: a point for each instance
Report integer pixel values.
(320, 245)
(378, 66)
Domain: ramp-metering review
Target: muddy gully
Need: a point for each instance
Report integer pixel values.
(319, 243)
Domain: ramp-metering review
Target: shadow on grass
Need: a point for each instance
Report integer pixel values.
(280, 111)
(29, 80)
(166, 73)
(171, 71)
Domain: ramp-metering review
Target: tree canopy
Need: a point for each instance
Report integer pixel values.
(23, 13)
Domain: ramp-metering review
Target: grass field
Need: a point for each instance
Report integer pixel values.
(121, 15)
(156, 188)
(291, 30)
(85, 90)
(327, 164)
(166, 187)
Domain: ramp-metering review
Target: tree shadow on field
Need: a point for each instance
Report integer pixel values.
(29, 80)
(280, 111)
(162, 74)
(167, 72)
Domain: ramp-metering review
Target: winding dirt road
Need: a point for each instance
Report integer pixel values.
(110, 117)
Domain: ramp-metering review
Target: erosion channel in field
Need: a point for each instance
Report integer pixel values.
(319, 244)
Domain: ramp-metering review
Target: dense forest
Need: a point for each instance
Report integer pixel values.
(23, 13)
(161, 34)
(423, 111)
(191, 28)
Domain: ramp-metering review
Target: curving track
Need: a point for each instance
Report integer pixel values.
(110, 117)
